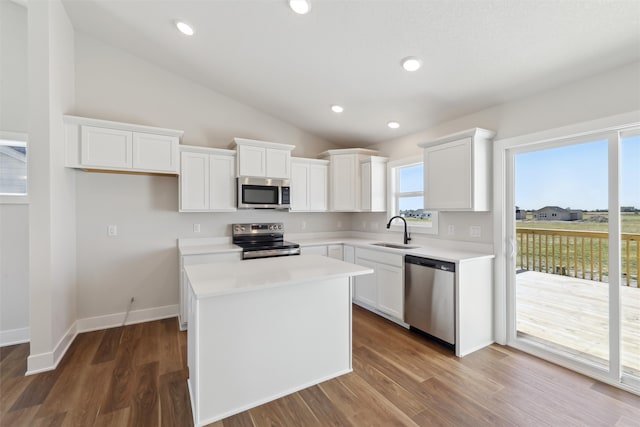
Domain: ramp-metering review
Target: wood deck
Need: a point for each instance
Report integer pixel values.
(571, 314)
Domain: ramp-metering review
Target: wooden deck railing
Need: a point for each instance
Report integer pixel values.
(582, 254)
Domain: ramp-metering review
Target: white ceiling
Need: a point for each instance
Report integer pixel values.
(475, 53)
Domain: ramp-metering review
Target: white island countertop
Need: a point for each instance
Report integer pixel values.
(208, 280)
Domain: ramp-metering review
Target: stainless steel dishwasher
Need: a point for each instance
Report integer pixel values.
(429, 297)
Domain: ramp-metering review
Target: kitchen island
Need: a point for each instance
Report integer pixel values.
(261, 329)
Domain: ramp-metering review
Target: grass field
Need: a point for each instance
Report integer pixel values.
(586, 257)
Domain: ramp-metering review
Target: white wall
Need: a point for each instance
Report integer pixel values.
(14, 224)
(13, 67)
(608, 94)
(142, 261)
(52, 268)
(14, 274)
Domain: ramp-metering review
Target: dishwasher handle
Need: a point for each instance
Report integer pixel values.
(429, 262)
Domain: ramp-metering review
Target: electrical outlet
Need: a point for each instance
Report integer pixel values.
(339, 224)
(475, 231)
(451, 230)
(303, 225)
(112, 230)
(364, 225)
(196, 228)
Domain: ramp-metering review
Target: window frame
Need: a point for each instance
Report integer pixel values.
(394, 195)
(20, 139)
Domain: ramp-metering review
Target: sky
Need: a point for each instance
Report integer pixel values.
(576, 176)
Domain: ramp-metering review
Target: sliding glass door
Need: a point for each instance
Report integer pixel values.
(574, 227)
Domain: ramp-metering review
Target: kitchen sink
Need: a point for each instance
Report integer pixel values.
(394, 245)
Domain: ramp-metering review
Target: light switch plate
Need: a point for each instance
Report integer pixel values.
(475, 231)
(112, 230)
(196, 228)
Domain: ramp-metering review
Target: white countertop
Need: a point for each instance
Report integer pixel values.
(439, 252)
(208, 280)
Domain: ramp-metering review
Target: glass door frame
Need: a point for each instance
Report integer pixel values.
(505, 151)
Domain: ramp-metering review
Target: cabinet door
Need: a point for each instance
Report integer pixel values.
(390, 290)
(222, 183)
(194, 181)
(299, 187)
(365, 287)
(107, 148)
(278, 163)
(252, 161)
(349, 254)
(365, 182)
(335, 251)
(448, 172)
(318, 177)
(317, 250)
(344, 179)
(155, 152)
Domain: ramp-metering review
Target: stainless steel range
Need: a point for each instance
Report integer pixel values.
(263, 240)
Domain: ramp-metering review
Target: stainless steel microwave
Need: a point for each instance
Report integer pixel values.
(263, 193)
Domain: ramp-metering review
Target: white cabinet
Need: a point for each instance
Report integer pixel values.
(335, 251)
(263, 159)
(331, 251)
(207, 179)
(373, 184)
(383, 290)
(206, 258)
(458, 171)
(113, 146)
(349, 254)
(316, 250)
(309, 183)
(346, 179)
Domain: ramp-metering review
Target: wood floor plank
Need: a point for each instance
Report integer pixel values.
(120, 391)
(169, 347)
(108, 345)
(145, 406)
(175, 404)
(93, 387)
(325, 411)
(115, 418)
(37, 390)
(242, 419)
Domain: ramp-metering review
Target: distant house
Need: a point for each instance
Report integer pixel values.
(555, 213)
(521, 214)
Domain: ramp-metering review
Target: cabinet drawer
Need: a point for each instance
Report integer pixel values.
(211, 258)
(380, 257)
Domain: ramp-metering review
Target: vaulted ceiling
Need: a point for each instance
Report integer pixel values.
(475, 54)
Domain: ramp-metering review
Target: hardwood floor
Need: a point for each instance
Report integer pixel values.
(136, 376)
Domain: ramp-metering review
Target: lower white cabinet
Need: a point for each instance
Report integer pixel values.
(207, 180)
(383, 290)
(184, 290)
(331, 251)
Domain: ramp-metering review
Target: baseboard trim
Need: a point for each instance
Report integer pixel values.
(138, 316)
(48, 361)
(14, 336)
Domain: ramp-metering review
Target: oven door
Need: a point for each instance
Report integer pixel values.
(258, 194)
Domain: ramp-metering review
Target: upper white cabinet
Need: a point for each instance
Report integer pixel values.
(309, 184)
(105, 145)
(207, 179)
(263, 159)
(457, 171)
(373, 184)
(350, 188)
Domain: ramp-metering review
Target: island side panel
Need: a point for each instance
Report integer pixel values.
(256, 346)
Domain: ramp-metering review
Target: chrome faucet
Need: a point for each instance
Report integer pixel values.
(406, 234)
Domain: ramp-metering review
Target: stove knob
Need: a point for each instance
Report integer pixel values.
(280, 227)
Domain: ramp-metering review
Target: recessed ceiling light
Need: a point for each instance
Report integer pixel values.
(184, 28)
(393, 125)
(411, 63)
(300, 6)
(337, 108)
